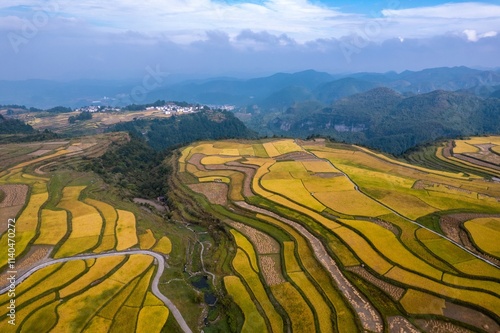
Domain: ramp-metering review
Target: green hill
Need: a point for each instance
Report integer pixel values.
(176, 130)
(14, 126)
(384, 119)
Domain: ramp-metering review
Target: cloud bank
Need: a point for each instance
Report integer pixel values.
(70, 39)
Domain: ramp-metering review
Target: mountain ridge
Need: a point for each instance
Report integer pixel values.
(240, 92)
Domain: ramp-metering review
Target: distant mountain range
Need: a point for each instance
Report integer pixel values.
(275, 91)
(390, 111)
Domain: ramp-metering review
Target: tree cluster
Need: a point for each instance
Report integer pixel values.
(59, 109)
(135, 167)
(14, 126)
(139, 107)
(178, 130)
(85, 115)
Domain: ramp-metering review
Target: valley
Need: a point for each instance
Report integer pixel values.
(248, 234)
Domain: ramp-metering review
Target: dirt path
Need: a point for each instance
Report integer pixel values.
(160, 261)
(201, 253)
(153, 203)
(39, 169)
(368, 315)
(203, 263)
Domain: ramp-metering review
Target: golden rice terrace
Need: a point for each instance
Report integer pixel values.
(282, 235)
(337, 238)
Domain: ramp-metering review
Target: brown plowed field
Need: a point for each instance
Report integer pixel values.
(271, 271)
(477, 162)
(395, 292)
(400, 324)
(486, 154)
(216, 193)
(15, 197)
(37, 255)
(438, 326)
(471, 317)
(264, 244)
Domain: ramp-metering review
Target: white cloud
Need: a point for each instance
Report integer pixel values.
(489, 34)
(186, 21)
(179, 19)
(473, 36)
(449, 18)
(465, 10)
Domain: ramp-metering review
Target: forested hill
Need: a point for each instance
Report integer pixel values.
(14, 126)
(182, 129)
(384, 119)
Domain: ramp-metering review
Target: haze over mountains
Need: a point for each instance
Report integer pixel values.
(278, 90)
(390, 111)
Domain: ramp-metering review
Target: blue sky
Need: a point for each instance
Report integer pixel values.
(368, 7)
(119, 38)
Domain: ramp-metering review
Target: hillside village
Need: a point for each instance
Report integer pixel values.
(171, 108)
(168, 108)
(96, 108)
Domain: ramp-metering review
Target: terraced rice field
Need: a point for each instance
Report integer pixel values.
(108, 292)
(243, 243)
(371, 213)
(325, 238)
(254, 322)
(483, 231)
(53, 227)
(147, 240)
(82, 302)
(243, 267)
(86, 223)
(164, 245)
(125, 230)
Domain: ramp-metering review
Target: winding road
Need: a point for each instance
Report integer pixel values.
(161, 266)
